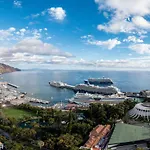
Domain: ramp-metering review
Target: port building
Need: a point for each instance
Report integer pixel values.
(141, 110)
(127, 136)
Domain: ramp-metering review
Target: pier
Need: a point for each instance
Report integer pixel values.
(12, 85)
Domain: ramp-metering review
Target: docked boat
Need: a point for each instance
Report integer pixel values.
(86, 99)
(108, 90)
(57, 84)
(99, 81)
(87, 88)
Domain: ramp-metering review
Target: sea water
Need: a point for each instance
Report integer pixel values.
(36, 83)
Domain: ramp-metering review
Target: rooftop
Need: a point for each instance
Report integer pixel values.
(127, 133)
(98, 133)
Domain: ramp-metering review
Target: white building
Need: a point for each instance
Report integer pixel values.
(141, 110)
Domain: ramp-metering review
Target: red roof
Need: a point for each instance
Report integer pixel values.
(96, 135)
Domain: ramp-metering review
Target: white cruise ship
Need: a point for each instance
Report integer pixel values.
(89, 88)
(99, 81)
(86, 98)
(109, 90)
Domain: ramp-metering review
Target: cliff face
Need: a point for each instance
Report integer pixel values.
(6, 69)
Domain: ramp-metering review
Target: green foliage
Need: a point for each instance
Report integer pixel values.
(57, 130)
(103, 114)
(67, 142)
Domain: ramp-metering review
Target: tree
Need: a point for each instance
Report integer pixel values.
(50, 143)
(67, 142)
(13, 145)
(69, 127)
(81, 128)
(58, 120)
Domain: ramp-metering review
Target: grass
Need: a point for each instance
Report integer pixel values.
(16, 113)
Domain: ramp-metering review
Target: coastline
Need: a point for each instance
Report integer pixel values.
(11, 96)
(7, 69)
(37, 87)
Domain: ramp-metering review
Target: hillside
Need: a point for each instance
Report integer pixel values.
(6, 68)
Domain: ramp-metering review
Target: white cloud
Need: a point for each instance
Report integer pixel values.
(126, 6)
(17, 3)
(23, 57)
(130, 54)
(57, 60)
(12, 29)
(86, 36)
(116, 26)
(28, 45)
(22, 31)
(110, 43)
(58, 13)
(133, 39)
(124, 16)
(132, 63)
(49, 37)
(13, 34)
(36, 33)
(35, 15)
(140, 48)
(40, 30)
(141, 22)
(6, 34)
(33, 50)
(36, 46)
(43, 12)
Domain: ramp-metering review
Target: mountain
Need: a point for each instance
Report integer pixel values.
(6, 68)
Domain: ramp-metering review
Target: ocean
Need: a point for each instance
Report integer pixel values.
(36, 83)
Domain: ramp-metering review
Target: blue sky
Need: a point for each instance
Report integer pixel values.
(56, 34)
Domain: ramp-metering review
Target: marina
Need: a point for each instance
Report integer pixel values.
(10, 96)
(83, 95)
(38, 82)
(87, 94)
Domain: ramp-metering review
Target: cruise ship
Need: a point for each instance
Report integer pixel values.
(109, 90)
(86, 98)
(99, 81)
(89, 88)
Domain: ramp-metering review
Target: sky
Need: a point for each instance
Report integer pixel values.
(75, 34)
